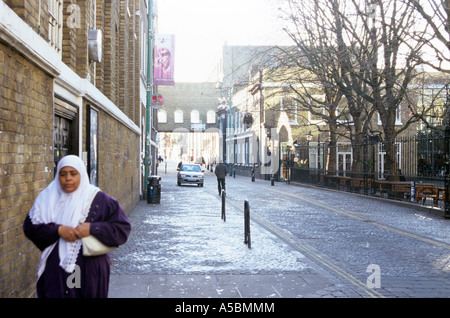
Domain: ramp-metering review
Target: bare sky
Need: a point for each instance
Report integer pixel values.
(202, 27)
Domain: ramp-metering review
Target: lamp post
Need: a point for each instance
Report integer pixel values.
(308, 139)
(318, 158)
(288, 164)
(447, 155)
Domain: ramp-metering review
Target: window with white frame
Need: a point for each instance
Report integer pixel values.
(195, 117)
(178, 117)
(343, 112)
(315, 116)
(55, 23)
(316, 153)
(211, 117)
(432, 103)
(162, 116)
(381, 159)
(344, 157)
(398, 117)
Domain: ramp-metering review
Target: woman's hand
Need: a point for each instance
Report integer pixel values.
(68, 233)
(83, 229)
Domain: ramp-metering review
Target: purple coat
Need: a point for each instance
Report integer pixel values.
(109, 225)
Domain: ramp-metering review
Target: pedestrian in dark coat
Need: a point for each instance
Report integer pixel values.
(220, 172)
(56, 223)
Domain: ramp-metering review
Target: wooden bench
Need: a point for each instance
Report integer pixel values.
(383, 187)
(426, 191)
(402, 189)
(357, 184)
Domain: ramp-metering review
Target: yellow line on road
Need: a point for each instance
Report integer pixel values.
(293, 241)
(303, 248)
(352, 215)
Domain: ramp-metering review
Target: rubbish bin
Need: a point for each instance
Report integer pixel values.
(154, 190)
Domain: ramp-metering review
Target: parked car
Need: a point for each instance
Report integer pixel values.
(190, 173)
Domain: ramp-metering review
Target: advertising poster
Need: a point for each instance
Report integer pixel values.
(164, 59)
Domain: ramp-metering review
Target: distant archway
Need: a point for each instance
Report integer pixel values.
(283, 134)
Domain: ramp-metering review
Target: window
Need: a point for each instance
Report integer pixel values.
(211, 117)
(289, 105)
(162, 116)
(195, 117)
(432, 102)
(191, 168)
(343, 112)
(178, 117)
(55, 10)
(315, 116)
(247, 151)
(398, 117)
(344, 158)
(316, 154)
(382, 159)
(144, 45)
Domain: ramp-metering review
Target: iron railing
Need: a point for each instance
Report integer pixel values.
(417, 162)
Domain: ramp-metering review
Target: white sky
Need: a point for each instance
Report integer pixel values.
(202, 27)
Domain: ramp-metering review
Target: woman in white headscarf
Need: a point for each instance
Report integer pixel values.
(67, 210)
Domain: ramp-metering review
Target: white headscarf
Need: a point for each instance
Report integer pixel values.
(54, 205)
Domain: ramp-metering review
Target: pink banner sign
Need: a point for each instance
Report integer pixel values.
(164, 59)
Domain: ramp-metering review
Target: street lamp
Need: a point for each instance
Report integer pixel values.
(288, 164)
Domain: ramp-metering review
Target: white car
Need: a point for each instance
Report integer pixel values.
(190, 173)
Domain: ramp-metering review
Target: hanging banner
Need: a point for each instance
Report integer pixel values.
(164, 59)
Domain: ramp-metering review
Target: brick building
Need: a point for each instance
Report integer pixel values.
(72, 81)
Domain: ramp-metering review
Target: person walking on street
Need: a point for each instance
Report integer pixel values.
(220, 172)
(67, 210)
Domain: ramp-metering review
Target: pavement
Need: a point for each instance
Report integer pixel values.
(182, 248)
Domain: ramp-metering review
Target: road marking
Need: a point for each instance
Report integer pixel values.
(293, 241)
(303, 248)
(277, 291)
(356, 217)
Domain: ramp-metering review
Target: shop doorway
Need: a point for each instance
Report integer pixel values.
(65, 134)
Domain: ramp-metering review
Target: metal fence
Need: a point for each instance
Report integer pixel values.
(418, 171)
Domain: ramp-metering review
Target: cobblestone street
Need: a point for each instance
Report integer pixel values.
(305, 242)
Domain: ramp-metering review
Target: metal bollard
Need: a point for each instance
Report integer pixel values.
(253, 175)
(272, 180)
(247, 224)
(223, 206)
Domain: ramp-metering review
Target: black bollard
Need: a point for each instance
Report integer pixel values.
(247, 224)
(272, 180)
(223, 206)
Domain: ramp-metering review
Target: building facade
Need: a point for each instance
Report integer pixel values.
(274, 118)
(72, 81)
(187, 123)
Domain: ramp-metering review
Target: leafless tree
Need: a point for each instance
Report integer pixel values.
(436, 20)
(372, 49)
